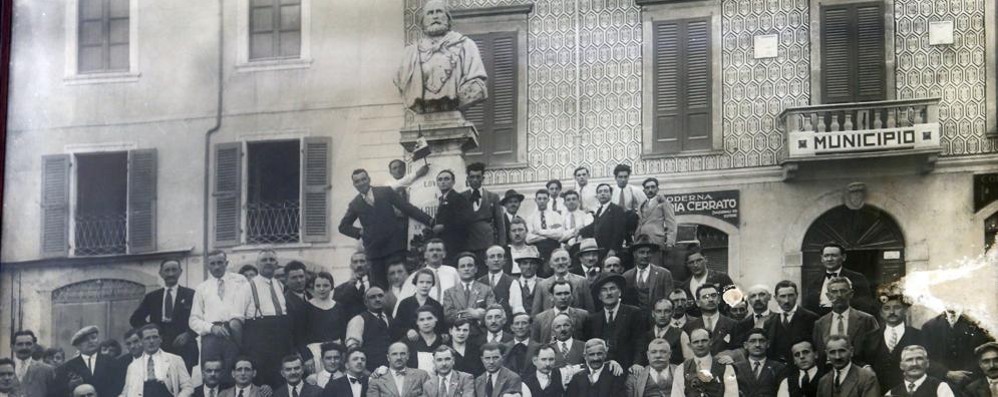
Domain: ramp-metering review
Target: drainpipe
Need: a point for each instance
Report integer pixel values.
(205, 205)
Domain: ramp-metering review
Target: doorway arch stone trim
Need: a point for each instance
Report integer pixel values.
(734, 237)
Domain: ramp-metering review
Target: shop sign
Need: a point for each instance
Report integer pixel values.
(722, 204)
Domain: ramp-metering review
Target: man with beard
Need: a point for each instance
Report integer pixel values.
(294, 374)
(617, 324)
(544, 381)
(370, 331)
(700, 275)
(34, 377)
(832, 258)
(883, 347)
(443, 70)
(758, 376)
(662, 328)
(802, 381)
(718, 325)
(497, 380)
(398, 381)
(794, 324)
(487, 227)
(582, 297)
(351, 293)
(914, 362)
(845, 379)
(446, 381)
(987, 358)
(655, 379)
(541, 330)
(843, 320)
(170, 308)
(702, 374)
(454, 214)
(156, 373)
(87, 368)
(598, 380)
(354, 384)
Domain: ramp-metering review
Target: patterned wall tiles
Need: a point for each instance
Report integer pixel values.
(955, 73)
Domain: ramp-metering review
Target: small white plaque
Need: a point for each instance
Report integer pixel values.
(940, 32)
(889, 255)
(766, 46)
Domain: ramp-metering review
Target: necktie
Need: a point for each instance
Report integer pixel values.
(710, 323)
(592, 273)
(786, 320)
(609, 317)
(211, 392)
(443, 386)
(554, 204)
(911, 388)
(571, 221)
(381, 316)
(467, 293)
(360, 287)
(273, 298)
(369, 198)
(221, 288)
(838, 379)
(493, 281)
(804, 380)
(564, 349)
(599, 212)
(439, 288)
(168, 311)
(621, 201)
(150, 369)
(294, 391)
(90, 363)
(994, 387)
(240, 393)
(488, 386)
(841, 328)
(476, 197)
(892, 339)
(756, 368)
(544, 222)
(829, 275)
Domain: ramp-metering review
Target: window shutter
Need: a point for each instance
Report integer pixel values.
(228, 164)
(55, 205)
(479, 114)
(698, 83)
(496, 117)
(871, 62)
(315, 190)
(837, 38)
(142, 200)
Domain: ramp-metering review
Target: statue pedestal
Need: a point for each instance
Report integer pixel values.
(448, 135)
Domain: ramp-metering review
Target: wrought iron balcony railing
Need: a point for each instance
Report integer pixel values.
(273, 222)
(101, 234)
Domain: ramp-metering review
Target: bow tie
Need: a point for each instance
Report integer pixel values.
(353, 380)
(830, 275)
(400, 373)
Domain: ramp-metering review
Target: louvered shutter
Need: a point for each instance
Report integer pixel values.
(228, 171)
(142, 165)
(871, 63)
(837, 69)
(682, 85)
(315, 190)
(55, 205)
(496, 117)
(852, 53)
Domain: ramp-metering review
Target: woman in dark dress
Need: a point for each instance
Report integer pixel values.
(405, 319)
(468, 357)
(427, 339)
(326, 320)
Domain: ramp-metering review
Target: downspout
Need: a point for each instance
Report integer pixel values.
(205, 205)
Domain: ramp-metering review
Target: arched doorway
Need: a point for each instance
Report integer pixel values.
(710, 241)
(872, 238)
(106, 303)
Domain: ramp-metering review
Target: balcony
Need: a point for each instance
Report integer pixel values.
(276, 222)
(901, 131)
(101, 234)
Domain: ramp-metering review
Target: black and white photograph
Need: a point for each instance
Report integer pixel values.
(498, 198)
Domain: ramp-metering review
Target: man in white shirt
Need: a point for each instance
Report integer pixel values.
(714, 378)
(518, 246)
(33, 376)
(447, 277)
(544, 381)
(626, 196)
(156, 373)
(215, 313)
(587, 192)
(914, 363)
(267, 327)
(803, 381)
(575, 218)
(545, 226)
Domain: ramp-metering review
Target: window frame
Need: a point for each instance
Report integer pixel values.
(890, 85)
(243, 61)
(505, 19)
(663, 11)
(72, 73)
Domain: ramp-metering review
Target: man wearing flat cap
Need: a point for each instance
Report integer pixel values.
(987, 358)
(88, 367)
(646, 282)
(616, 323)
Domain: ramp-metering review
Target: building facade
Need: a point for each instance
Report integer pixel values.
(144, 132)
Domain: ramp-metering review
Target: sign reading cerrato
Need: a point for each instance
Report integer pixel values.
(722, 204)
(810, 143)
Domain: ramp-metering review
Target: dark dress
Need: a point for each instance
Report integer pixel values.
(471, 361)
(420, 346)
(325, 325)
(405, 318)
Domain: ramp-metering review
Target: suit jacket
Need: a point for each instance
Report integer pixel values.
(460, 385)
(298, 313)
(608, 385)
(577, 270)
(384, 386)
(978, 388)
(719, 279)
(765, 385)
(151, 311)
(859, 382)
(859, 324)
(540, 329)
(583, 297)
(501, 291)
(350, 297)
(38, 379)
(178, 380)
(487, 227)
(636, 382)
(659, 282)
(939, 337)
(657, 220)
(609, 229)
(628, 323)
(102, 379)
(383, 233)
(454, 212)
(254, 391)
(782, 338)
(555, 388)
(720, 338)
(455, 299)
(862, 297)
(672, 334)
(886, 363)
(517, 358)
(743, 326)
(506, 382)
(340, 387)
(307, 390)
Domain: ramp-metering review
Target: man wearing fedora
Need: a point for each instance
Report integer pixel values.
(511, 205)
(89, 367)
(617, 323)
(646, 282)
(588, 258)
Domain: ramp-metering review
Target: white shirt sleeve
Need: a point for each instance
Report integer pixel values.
(944, 390)
(197, 321)
(730, 382)
(784, 390)
(679, 382)
(516, 298)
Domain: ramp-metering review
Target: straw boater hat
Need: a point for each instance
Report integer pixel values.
(588, 245)
(83, 333)
(644, 241)
(530, 255)
(511, 194)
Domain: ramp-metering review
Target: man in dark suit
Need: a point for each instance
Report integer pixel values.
(384, 235)
(843, 319)
(950, 339)
(757, 313)
(610, 224)
(497, 380)
(987, 358)
(354, 384)
(562, 292)
(454, 214)
(293, 373)
(35, 377)
(211, 377)
(588, 260)
(700, 275)
(802, 379)
(89, 367)
(597, 380)
(661, 329)
(758, 376)
(511, 205)
(794, 324)
(170, 309)
(516, 358)
(617, 324)
(350, 293)
(882, 347)
(545, 380)
(815, 298)
(846, 379)
(487, 227)
(499, 281)
(719, 326)
(646, 282)
(296, 296)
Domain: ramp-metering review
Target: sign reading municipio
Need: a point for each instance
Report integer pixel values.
(722, 204)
